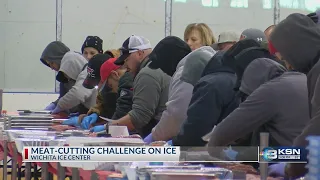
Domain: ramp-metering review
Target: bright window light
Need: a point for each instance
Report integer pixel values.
(239, 3)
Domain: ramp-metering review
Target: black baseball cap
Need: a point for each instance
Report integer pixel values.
(93, 69)
(132, 44)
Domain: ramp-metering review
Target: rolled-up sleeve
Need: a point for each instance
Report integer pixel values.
(146, 96)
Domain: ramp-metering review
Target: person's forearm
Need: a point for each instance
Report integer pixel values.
(124, 121)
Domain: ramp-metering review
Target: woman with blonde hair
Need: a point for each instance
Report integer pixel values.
(197, 35)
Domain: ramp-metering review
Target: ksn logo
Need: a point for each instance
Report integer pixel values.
(269, 154)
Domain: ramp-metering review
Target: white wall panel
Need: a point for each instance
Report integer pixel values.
(27, 26)
(112, 20)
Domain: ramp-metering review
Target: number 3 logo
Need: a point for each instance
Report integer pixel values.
(272, 154)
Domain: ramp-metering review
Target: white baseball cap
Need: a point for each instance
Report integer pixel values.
(228, 36)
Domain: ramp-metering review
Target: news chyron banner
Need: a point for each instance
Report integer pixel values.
(163, 154)
(140, 154)
(101, 154)
(283, 154)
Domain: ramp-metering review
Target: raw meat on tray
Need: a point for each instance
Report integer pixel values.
(238, 167)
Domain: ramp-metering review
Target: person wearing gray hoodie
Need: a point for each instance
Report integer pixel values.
(73, 68)
(297, 39)
(51, 57)
(188, 72)
(277, 103)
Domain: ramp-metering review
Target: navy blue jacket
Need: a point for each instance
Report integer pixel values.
(213, 99)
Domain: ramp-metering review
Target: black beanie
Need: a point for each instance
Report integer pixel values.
(94, 42)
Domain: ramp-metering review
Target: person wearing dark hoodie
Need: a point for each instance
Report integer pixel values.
(179, 91)
(73, 68)
(277, 103)
(297, 39)
(52, 56)
(215, 89)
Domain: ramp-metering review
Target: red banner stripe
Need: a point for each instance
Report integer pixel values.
(26, 153)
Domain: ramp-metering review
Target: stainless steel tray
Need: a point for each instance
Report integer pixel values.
(34, 111)
(148, 168)
(31, 120)
(78, 133)
(39, 123)
(163, 173)
(43, 117)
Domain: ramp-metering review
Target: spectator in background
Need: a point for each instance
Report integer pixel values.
(74, 69)
(226, 40)
(297, 39)
(52, 56)
(198, 34)
(92, 46)
(188, 72)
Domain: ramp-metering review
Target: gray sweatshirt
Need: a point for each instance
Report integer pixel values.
(150, 93)
(276, 104)
(72, 65)
(180, 93)
(297, 38)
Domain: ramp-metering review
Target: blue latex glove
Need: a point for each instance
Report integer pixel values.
(56, 110)
(170, 142)
(72, 121)
(97, 128)
(230, 154)
(50, 107)
(148, 139)
(277, 170)
(88, 120)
